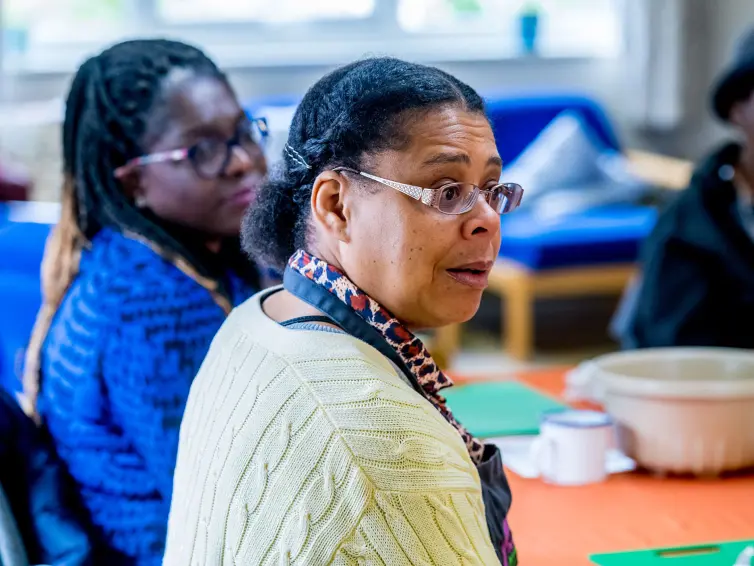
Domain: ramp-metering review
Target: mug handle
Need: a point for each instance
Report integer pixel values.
(543, 455)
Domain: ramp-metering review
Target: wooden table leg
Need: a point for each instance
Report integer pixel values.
(518, 339)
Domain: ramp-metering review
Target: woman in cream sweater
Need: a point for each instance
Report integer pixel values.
(315, 432)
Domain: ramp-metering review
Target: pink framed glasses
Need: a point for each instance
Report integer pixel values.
(210, 156)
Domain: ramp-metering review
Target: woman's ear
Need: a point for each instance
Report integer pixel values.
(130, 180)
(330, 212)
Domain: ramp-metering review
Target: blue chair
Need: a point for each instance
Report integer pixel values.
(518, 119)
(593, 252)
(21, 250)
(22, 246)
(20, 299)
(12, 549)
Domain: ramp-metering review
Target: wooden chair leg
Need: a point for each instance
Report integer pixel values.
(519, 320)
(446, 343)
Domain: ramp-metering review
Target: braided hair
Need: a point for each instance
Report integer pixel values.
(355, 111)
(112, 100)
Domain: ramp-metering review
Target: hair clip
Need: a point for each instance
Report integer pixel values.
(296, 156)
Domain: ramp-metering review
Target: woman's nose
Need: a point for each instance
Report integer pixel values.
(243, 161)
(481, 221)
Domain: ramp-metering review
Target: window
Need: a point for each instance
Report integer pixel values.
(55, 35)
(565, 27)
(261, 11)
(61, 21)
(50, 34)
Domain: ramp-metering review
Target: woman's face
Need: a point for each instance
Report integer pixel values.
(196, 109)
(419, 263)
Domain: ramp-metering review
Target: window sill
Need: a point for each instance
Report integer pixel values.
(65, 59)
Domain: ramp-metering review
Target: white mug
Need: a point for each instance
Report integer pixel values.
(572, 447)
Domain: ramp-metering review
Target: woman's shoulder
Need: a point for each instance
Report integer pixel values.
(113, 258)
(303, 350)
(296, 424)
(349, 387)
(119, 274)
(123, 284)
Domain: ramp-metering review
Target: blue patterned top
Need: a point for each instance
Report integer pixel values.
(117, 366)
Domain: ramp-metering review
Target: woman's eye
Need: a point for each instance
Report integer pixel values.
(451, 192)
(209, 146)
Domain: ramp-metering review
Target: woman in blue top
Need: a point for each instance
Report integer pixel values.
(160, 163)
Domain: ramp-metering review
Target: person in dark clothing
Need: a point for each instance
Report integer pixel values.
(698, 265)
(39, 495)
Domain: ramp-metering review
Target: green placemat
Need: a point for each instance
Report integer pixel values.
(713, 554)
(503, 408)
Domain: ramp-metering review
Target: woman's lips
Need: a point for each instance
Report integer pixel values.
(475, 275)
(476, 280)
(247, 191)
(243, 197)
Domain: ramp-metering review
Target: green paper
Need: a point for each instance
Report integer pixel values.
(706, 554)
(504, 408)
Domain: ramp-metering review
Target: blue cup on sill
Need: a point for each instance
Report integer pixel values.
(529, 27)
(15, 40)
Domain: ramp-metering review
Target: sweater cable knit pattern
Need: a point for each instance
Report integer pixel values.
(306, 447)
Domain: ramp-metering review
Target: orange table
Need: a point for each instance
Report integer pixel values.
(562, 526)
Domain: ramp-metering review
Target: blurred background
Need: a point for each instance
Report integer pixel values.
(638, 73)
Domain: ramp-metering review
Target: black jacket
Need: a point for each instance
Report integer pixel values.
(698, 267)
(37, 489)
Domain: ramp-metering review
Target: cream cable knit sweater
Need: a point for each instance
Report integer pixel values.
(306, 447)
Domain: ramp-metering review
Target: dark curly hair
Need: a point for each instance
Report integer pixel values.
(347, 115)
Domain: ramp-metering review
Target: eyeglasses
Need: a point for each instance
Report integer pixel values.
(455, 198)
(211, 156)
